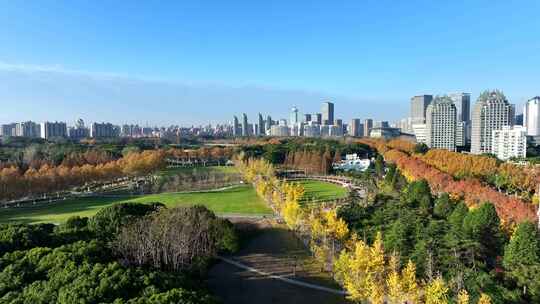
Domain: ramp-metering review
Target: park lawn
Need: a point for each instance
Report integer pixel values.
(237, 200)
(322, 191)
(175, 171)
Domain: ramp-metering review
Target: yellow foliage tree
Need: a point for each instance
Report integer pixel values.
(436, 292)
(409, 283)
(484, 299)
(463, 297)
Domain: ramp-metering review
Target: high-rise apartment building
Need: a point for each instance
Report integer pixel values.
(28, 129)
(236, 127)
(8, 130)
(355, 128)
(419, 106)
(491, 112)
(531, 116)
(106, 130)
(510, 142)
(53, 129)
(368, 125)
(327, 113)
(245, 127)
(441, 124)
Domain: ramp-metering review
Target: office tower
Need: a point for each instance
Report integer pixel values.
(418, 108)
(491, 112)
(441, 116)
(108, 130)
(355, 128)
(317, 117)
(236, 127)
(28, 129)
(462, 101)
(294, 118)
(531, 116)
(510, 142)
(269, 123)
(327, 113)
(368, 125)
(339, 122)
(53, 129)
(8, 130)
(245, 127)
(261, 130)
(307, 117)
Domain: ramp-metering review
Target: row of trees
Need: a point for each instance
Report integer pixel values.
(366, 272)
(471, 190)
(512, 178)
(16, 183)
(312, 161)
(202, 154)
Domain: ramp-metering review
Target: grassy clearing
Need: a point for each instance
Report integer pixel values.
(317, 190)
(238, 200)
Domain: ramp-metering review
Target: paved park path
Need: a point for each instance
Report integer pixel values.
(272, 267)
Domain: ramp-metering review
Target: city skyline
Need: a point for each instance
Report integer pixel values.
(263, 58)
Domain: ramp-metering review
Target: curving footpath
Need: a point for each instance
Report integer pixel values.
(282, 278)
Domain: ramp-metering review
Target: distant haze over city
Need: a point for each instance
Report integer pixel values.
(185, 64)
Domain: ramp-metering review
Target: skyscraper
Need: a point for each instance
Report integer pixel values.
(355, 128)
(491, 112)
(236, 127)
(327, 113)
(441, 116)
(245, 127)
(418, 108)
(294, 118)
(368, 125)
(462, 101)
(307, 117)
(531, 116)
(269, 123)
(261, 130)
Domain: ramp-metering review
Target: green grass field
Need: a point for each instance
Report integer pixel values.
(238, 200)
(222, 169)
(317, 190)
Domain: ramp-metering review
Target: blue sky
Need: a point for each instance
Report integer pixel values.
(187, 62)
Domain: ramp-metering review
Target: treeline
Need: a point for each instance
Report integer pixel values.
(312, 162)
(510, 209)
(75, 262)
(18, 183)
(366, 272)
(512, 178)
(276, 150)
(217, 154)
